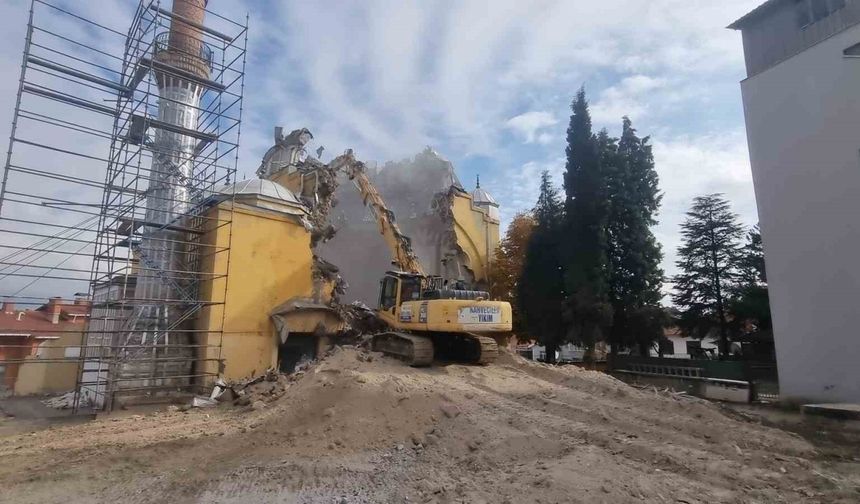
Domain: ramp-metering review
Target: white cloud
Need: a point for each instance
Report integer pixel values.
(629, 97)
(691, 166)
(520, 186)
(389, 77)
(529, 125)
(394, 76)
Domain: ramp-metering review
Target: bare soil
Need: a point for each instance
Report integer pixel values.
(353, 431)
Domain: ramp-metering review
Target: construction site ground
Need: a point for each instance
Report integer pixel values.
(361, 428)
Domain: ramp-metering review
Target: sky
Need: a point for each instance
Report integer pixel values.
(487, 84)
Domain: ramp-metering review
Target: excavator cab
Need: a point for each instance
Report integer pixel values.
(397, 287)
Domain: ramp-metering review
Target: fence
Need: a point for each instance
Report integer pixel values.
(760, 377)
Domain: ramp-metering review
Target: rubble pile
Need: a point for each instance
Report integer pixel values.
(357, 427)
(65, 401)
(254, 393)
(361, 321)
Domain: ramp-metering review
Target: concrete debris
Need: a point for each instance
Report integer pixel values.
(360, 320)
(323, 201)
(65, 401)
(329, 273)
(221, 392)
(263, 388)
(203, 402)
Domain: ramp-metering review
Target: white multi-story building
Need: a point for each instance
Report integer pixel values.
(802, 106)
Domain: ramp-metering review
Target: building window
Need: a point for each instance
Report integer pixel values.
(667, 347)
(811, 11)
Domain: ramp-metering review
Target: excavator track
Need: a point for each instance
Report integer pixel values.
(465, 347)
(489, 349)
(413, 349)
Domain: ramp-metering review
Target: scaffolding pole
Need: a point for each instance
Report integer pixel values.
(121, 143)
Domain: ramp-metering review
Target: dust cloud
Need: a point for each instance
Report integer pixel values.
(418, 191)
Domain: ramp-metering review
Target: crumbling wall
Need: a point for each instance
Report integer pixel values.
(419, 192)
(316, 185)
(422, 192)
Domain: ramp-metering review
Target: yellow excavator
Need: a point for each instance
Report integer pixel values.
(427, 318)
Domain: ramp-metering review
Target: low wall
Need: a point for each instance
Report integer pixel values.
(709, 388)
(721, 380)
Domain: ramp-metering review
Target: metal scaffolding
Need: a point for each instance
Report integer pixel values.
(120, 144)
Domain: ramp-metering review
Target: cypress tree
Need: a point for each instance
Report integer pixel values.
(540, 290)
(586, 217)
(634, 274)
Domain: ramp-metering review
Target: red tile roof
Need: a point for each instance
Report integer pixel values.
(72, 318)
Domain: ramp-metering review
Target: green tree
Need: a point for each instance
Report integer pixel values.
(710, 259)
(586, 215)
(541, 286)
(508, 264)
(634, 274)
(751, 303)
(752, 262)
(646, 324)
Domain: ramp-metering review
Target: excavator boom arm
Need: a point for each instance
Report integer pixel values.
(401, 247)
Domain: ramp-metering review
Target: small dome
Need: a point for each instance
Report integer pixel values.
(482, 197)
(260, 187)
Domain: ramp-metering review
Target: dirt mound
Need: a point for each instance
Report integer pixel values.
(358, 427)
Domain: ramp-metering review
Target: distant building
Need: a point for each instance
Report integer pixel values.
(802, 107)
(39, 348)
(676, 345)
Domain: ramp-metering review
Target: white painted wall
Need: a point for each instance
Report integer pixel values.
(803, 128)
(567, 352)
(679, 344)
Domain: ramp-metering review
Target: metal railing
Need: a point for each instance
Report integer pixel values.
(184, 45)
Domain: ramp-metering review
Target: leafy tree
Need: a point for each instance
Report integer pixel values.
(586, 215)
(509, 261)
(710, 259)
(634, 274)
(540, 290)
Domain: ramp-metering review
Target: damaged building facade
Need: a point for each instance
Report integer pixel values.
(304, 246)
(453, 231)
(276, 311)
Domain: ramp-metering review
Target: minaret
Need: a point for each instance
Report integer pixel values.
(182, 62)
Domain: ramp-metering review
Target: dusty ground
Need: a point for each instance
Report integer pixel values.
(351, 431)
